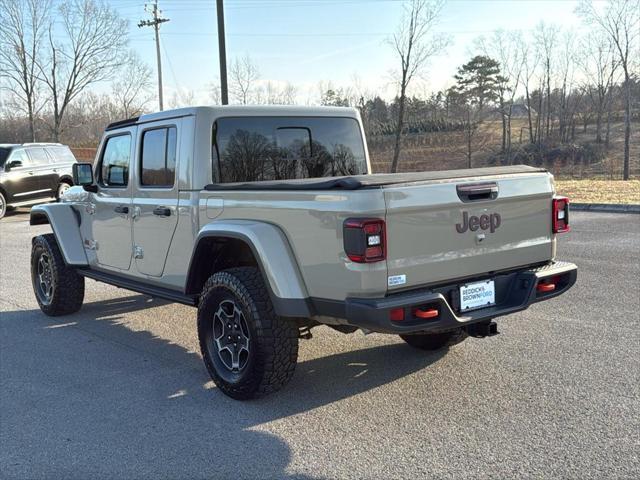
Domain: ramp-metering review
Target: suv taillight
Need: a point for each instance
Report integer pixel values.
(364, 239)
(560, 219)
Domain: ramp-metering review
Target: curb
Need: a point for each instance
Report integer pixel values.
(606, 207)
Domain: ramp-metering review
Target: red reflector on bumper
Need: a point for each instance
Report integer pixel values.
(396, 314)
(424, 314)
(546, 287)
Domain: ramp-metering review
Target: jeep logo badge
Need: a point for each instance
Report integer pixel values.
(489, 222)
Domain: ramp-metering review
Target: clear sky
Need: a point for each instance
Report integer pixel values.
(308, 41)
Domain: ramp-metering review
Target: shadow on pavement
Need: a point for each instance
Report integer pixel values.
(102, 400)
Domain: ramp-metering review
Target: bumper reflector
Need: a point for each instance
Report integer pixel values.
(396, 314)
(546, 287)
(425, 314)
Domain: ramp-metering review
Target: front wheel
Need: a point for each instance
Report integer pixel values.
(62, 188)
(3, 205)
(59, 289)
(248, 350)
(435, 341)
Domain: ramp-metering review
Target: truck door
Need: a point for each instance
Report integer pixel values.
(155, 195)
(111, 204)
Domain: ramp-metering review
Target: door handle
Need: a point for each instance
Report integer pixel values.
(162, 211)
(121, 209)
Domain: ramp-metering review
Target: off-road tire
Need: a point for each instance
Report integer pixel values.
(435, 341)
(67, 286)
(273, 340)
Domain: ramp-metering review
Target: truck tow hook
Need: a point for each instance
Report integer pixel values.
(481, 330)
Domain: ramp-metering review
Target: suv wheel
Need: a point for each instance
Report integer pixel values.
(3, 205)
(63, 187)
(435, 341)
(248, 350)
(59, 289)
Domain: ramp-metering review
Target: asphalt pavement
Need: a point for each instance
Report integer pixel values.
(119, 390)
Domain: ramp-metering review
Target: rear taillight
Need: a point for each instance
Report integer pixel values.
(364, 239)
(560, 219)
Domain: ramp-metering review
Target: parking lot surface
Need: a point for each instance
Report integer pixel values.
(119, 390)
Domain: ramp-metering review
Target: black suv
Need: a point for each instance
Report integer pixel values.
(33, 173)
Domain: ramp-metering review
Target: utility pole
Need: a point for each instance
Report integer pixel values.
(155, 23)
(222, 50)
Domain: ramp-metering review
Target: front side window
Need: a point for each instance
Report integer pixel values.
(115, 161)
(282, 148)
(158, 157)
(20, 156)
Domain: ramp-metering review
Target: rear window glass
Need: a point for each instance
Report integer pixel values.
(283, 148)
(115, 161)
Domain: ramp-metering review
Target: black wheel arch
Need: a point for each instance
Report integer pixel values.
(221, 251)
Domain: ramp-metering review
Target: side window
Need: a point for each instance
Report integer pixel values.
(158, 157)
(20, 156)
(115, 161)
(38, 156)
(61, 154)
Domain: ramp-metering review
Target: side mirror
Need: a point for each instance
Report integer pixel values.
(83, 176)
(14, 164)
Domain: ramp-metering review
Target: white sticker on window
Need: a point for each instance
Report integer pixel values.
(395, 280)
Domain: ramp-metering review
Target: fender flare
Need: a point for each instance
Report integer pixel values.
(65, 223)
(274, 257)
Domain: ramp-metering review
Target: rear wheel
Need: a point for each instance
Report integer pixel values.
(248, 350)
(435, 341)
(59, 289)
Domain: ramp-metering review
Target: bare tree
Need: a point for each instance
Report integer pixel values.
(599, 64)
(93, 49)
(182, 98)
(414, 43)
(621, 22)
(530, 64)
(131, 90)
(272, 93)
(566, 70)
(505, 48)
(244, 74)
(22, 28)
(546, 38)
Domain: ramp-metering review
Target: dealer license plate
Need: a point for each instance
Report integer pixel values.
(477, 295)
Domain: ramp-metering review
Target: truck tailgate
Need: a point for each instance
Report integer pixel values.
(451, 229)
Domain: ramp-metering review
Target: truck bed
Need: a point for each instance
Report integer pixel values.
(376, 180)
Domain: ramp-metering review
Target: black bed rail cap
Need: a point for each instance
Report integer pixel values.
(122, 123)
(325, 183)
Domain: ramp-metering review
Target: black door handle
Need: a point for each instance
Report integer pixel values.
(121, 209)
(162, 211)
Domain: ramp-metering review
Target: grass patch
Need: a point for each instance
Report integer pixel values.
(600, 191)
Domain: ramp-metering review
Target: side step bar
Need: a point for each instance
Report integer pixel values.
(128, 284)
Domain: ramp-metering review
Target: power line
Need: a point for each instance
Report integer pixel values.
(155, 23)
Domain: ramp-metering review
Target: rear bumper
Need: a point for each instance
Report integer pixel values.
(515, 291)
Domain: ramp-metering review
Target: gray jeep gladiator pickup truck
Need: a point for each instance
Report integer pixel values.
(269, 221)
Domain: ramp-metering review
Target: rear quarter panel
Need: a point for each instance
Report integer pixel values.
(312, 224)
